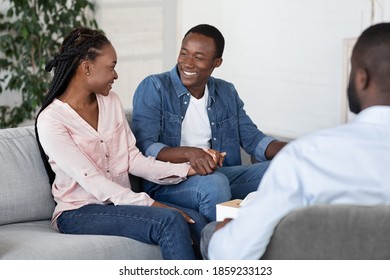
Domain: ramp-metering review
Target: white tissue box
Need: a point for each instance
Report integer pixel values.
(228, 209)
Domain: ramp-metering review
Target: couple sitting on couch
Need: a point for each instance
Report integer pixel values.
(89, 174)
(173, 112)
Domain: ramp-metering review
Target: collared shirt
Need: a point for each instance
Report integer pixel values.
(93, 166)
(159, 106)
(346, 165)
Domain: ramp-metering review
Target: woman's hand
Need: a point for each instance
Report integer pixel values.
(218, 157)
(191, 172)
(188, 218)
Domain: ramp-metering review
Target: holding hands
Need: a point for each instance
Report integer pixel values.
(204, 161)
(218, 157)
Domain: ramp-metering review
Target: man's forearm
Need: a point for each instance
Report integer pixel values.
(173, 154)
(273, 148)
(201, 161)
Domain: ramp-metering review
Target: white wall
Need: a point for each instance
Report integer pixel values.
(143, 33)
(285, 56)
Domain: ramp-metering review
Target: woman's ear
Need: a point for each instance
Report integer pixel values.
(85, 67)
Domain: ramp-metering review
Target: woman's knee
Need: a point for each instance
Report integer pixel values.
(173, 218)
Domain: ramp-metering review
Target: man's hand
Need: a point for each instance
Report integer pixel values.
(222, 224)
(201, 161)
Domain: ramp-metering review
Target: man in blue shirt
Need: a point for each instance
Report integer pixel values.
(186, 115)
(344, 165)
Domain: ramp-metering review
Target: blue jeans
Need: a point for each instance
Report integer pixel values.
(203, 193)
(148, 224)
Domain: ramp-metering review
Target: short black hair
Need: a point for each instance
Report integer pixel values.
(212, 32)
(372, 52)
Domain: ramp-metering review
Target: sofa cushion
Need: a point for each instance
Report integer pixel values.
(39, 241)
(24, 185)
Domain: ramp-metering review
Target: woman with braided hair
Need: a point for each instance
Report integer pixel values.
(88, 150)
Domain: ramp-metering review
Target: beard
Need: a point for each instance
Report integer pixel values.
(354, 103)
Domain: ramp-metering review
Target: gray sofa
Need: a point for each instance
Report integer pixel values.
(26, 205)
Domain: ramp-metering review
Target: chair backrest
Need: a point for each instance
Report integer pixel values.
(332, 232)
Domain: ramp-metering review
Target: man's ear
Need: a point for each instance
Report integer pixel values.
(362, 78)
(217, 62)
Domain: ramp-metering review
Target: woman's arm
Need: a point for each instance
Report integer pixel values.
(65, 155)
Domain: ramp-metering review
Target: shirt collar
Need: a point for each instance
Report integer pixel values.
(177, 84)
(379, 114)
(182, 90)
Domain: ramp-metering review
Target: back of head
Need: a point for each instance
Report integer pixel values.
(212, 32)
(372, 52)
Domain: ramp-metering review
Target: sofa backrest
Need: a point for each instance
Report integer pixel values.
(332, 232)
(25, 192)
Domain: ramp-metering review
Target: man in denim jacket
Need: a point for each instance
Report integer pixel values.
(186, 115)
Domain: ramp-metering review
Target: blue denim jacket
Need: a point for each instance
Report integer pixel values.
(159, 106)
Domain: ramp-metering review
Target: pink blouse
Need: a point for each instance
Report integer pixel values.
(92, 166)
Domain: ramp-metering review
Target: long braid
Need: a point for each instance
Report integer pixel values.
(81, 43)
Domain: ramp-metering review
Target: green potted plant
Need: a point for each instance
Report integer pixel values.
(31, 32)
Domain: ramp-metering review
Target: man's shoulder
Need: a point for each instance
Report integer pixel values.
(220, 81)
(162, 79)
(321, 140)
(221, 85)
(158, 76)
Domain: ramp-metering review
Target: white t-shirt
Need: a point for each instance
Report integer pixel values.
(195, 128)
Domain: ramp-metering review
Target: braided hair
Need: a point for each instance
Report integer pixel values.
(80, 44)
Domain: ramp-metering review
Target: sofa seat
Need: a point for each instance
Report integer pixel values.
(38, 240)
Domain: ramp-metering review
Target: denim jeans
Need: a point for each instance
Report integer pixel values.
(148, 224)
(203, 193)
